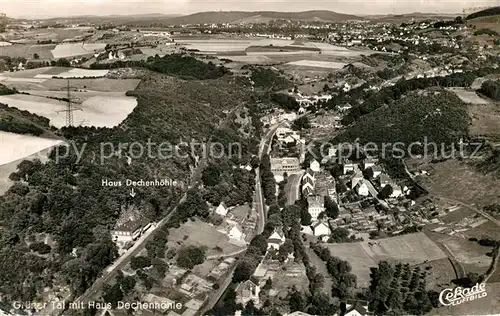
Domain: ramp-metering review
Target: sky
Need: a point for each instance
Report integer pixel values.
(62, 8)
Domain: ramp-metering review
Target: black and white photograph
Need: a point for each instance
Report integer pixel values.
(249, 158)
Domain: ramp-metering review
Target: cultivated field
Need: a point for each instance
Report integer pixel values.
(318, 64)
(468, 96)
(456, 180)
(15, 148)
(412, 248)
(76, 49)
(199, 233)
(99, 111)
(75, 73)
(485, 119)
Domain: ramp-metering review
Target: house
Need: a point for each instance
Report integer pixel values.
(368, 163)
(308, 183)
(129, 226)
(377, 171)
(314, 165)
(309, 175)
(362, 189)
(246, 292)
(127, 232)
(316, 205)
(358, 177)
(221, 209)
(356, 310)
(396, 191)
(384, 180)
(276, 239)
(321, 229)
(348, 167)
(236, 233)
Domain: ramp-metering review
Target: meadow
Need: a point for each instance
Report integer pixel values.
(412, 248)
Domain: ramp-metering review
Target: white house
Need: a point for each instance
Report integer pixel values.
(314, 165)
(276, 240)
(368, 163)
(377, 171)
(384, 180)
(396, 191)
(349, 167)
(321, 229)
(236, 233)
(221, 209)
(128, 231)
(362, 189)
(316, 205)
(356, 310)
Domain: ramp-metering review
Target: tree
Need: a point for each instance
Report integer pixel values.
(297, 301)
(244, 270)
(140, 262)
(190, 256)
(62, 62)
(211, 175)
(301, 123)
(305, 217)
(36, 56)
(331, 208)
(385, 192)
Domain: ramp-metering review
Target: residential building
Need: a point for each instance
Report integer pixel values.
(314, 165)
(316, 205)
(276, 239)
(356, 310)
(368, 163)
(377, 171)
(384, 180)
(221, 210)
(396, 191)
(129, 226)
(321, 229)
(236, 233)
(349, 166)
(247, 291)
(362, 189)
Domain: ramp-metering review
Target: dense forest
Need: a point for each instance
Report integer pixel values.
(388, 95)
(483, 13)
(436, 116)
(491, 89)
(186, 67)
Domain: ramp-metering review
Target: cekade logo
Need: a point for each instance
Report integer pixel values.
(459, 295)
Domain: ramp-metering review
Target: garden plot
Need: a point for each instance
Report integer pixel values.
(468, 96)
(318, 64)
(76, 49)
(75, 73)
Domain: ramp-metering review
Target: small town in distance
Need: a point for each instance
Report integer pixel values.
(244, 162)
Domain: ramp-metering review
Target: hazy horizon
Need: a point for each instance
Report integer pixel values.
(63, 8)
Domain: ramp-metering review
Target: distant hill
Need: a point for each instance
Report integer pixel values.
(243, 16)
(418, 16)
(487, 12)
